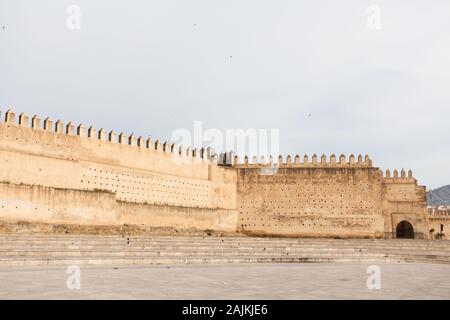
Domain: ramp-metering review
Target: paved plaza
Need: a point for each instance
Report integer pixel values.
(263, 281)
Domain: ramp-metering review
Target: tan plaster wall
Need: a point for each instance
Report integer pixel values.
(311, 201)
(54, 177)
(66, 206)
(436, 218)
(171, 186)
(404, 200)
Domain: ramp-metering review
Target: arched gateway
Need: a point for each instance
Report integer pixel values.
(404, 230)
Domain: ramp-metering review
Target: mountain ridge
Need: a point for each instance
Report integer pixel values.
(439, 196)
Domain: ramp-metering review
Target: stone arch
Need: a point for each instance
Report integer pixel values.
(404, 230)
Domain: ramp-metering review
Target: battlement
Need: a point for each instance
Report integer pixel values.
(91, 175)
(56, 172)
(205, 155)
(296, 161)
(439, 212)
(69, 129)
(397, 176)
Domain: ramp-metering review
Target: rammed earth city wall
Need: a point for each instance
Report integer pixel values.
(327, 198)
(66, 176)
(55, 173)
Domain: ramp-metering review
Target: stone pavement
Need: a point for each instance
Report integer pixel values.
(262, 281)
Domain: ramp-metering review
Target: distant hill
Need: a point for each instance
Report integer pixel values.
(439, 196)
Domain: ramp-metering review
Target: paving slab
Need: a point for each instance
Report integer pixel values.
(242, 281)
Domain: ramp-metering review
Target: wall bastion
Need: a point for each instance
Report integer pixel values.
(76, 174)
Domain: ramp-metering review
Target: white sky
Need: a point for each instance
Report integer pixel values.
(151, 67)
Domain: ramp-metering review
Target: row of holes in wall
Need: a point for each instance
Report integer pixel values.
(398, 192)
(356, 222)
(314, 186)
(298, 174)
(303, 198)
(298, 199)
(144, 188)
(298, 207)
(9, 207)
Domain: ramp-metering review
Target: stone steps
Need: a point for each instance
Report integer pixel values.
(398, 243)
(243, 249)
(109, 239)
(209, 260)
(29, 250)
(80, 246)
(198, 251)
(211, 238)
(194, 238)
(193, 255)
(203, 246)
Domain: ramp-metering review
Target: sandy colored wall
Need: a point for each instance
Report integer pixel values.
(327, 198)
(165, 180)
(437, 219)
(55, 173)
(311, 199)
(404, 200)
(67, 206)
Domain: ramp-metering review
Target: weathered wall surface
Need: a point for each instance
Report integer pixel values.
(101, 208)
(55, 173)
(347, 199)
(167, 181)
(311, 200)
(439, 222)
(404, 200)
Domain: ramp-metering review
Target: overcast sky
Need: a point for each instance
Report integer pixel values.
(312, 69)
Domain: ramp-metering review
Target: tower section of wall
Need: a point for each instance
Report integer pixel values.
(310, 198)
(404, 200)
(44, 160)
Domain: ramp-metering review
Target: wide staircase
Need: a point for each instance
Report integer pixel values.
(34, 250)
